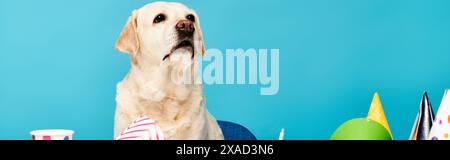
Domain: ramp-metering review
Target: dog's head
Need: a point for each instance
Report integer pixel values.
(160, 31)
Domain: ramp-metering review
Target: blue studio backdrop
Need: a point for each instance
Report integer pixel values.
(59, 69)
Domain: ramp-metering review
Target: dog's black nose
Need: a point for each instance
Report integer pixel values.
(185, 27)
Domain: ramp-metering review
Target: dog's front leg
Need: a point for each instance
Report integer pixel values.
(121, 122)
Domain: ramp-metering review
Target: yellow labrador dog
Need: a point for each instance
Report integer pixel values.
(163, 39)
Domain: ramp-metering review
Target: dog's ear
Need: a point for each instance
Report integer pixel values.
(128, 41)
(200, 40)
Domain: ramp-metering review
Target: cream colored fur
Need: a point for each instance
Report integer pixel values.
(149, 88)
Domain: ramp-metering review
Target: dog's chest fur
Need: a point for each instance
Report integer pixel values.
(175, 112)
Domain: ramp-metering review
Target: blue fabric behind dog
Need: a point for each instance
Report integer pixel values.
(233, 131)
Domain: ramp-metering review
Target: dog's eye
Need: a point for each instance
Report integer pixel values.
(191, 17)
(159, 18)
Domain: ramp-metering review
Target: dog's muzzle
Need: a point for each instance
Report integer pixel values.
(185, 30)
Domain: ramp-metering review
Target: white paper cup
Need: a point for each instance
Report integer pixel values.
(52, 134)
